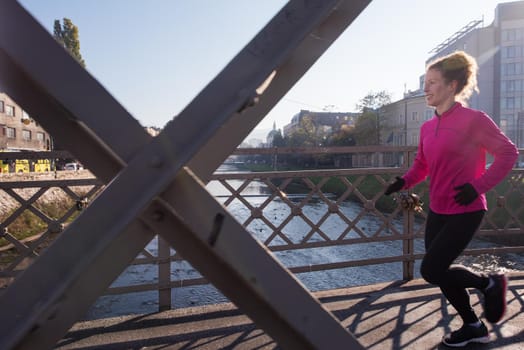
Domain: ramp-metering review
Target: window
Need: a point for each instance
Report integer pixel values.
(511, 51)
(512, 68)
(511, 85)
(40, 136)
(26, 119)
(509, 34)
(512, 34)
(1, 106)
(10, 133)
(508, 102)
(508, 85)
(504, 125)
(414, 116)
(504, 121)
(429, 114)
(10, 110)
(26, 135)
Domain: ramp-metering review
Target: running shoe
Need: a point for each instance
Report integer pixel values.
(495, 298)
(467, 334)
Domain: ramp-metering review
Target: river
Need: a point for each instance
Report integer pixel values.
(256, 193)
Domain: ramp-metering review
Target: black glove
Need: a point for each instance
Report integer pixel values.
(395, 186)
(466, 194)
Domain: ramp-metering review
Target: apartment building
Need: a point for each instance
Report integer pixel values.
(499, 51)
(18, 131)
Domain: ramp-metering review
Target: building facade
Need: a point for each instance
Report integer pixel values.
(401, 120)
(325, 122)
(499, 51)
(18, 131)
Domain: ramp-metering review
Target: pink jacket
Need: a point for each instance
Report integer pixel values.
(452, 151)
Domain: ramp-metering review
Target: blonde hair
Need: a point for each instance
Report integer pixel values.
(462, 68)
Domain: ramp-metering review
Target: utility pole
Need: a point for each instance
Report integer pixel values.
(378, 126)
(405, 120)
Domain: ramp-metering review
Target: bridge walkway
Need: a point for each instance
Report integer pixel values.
(397, 315)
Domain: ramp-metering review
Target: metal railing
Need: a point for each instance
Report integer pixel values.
(302, 216)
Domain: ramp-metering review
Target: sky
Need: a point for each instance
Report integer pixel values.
(155, 56)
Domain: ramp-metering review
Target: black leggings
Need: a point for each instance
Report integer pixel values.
(445, 239)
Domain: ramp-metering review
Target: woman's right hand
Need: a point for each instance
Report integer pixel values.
(395, 186)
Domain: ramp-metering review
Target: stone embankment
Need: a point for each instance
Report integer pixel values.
(53, 194)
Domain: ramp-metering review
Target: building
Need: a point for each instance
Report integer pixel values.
(401, 120)
(499, 51)
(270, 138)
(325, 122)
(18, 131)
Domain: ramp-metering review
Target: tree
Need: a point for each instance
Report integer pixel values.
(343, 137)
(305, 135)
(374, 100)
(367, 127)
(278, 140)
(66, 35)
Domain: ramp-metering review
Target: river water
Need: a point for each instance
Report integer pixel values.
(256, 193)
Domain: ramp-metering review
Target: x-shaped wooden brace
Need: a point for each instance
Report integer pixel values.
(156, 185)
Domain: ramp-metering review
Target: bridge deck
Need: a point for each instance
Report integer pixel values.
(398, 315)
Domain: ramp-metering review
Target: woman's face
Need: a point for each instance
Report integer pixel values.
(438, 92)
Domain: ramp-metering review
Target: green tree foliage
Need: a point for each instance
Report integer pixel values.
(306, 134)
(278, 139)
(367, 127)
(343, 137)
(309, 134)
(66, 34)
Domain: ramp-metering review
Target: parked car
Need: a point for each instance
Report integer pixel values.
(73, 166)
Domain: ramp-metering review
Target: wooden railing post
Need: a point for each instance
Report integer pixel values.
(408, 266)
(164, 275)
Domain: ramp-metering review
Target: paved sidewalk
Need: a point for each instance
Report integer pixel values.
(398, 315)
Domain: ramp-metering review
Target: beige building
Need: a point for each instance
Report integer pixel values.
(401, 120)
(18, 131)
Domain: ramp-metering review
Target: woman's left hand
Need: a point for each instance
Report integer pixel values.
(466, 194)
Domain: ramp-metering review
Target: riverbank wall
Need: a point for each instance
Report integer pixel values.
(52, 195)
